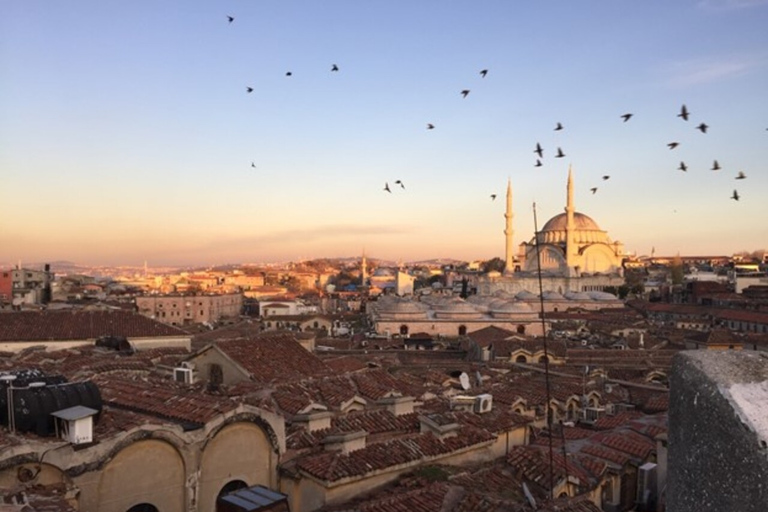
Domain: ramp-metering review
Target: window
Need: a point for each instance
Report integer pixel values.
(403, 330)
(521, 329)
(234, 485)
(462, 330)
(521, 359)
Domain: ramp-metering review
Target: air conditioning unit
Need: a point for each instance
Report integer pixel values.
(483, 403)
(646, 487)
(610, 409)
(184, 375)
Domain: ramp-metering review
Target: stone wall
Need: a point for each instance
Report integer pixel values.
(718, 432)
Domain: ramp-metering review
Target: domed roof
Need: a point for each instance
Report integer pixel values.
(580, 221)
(550, 295)
(526, 295)
(511, 307)
(602, 296)
(577, 296)
(403, 306)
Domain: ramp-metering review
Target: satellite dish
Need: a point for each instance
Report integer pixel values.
(478, 379)
(464, 380)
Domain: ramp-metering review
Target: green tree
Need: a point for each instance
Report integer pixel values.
(496, 264)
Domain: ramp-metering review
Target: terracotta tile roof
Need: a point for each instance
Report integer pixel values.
(635, 445)
(497, 481)
(273, 358)
(604, 453)
(661, 358)
(488, 335)
(656, 403)
(611, 422)
(334, 466)
(162, 398)
(426, 499)
(79, 325)
(378, 384)
(345, 364)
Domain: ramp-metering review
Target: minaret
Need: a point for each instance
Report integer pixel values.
(509, 259)
(570, 227)
(363, 270)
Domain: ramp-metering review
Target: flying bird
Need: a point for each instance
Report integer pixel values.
(558, 127)
(430, 126)
(538, 163)
(493, 197)
(230, 18)
(735, 196)
(673, 145)
(398, 182)
(683, 113)
(253, 165)
(334, 68)
(627, 117)
(716, 166)
(606, 177)
(560, 153)
(593, 189)
(249, 90)
(683, 167)
(741, 176)
(386, 187)
(483, 73)
(288, 73)
(465, 92)
(703, 127)
(539, 151)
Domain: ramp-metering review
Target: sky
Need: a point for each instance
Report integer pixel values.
(127, 132)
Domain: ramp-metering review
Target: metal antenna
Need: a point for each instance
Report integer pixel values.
(546, 354)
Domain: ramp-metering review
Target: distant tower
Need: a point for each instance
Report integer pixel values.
(145, 269)
(363, 270)
(570, 227)
(509, 259)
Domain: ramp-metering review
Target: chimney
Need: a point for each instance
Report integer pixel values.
(347, 442)
(439, 425)
(398, 405)
(316, 420)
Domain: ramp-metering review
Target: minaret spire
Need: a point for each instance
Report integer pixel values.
(509, 259)
(363, 270)
(570, 226)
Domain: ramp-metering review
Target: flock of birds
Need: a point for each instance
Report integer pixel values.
(684, 114)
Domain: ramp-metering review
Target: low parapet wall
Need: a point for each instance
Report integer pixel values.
(718, 432)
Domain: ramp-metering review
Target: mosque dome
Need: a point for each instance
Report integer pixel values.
(586, 230)
(526, 295)
(577, 296)
(510, 307)
(550, 295)
(602, 296)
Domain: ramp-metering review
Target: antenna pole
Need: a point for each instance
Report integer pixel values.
(546, 354)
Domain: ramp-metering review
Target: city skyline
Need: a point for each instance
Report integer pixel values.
(129, 132)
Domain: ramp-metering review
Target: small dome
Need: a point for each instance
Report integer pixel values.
(526, 295)
(511, 307)
(602, 296)
(553, 296)
(494, 274)
(577, 296)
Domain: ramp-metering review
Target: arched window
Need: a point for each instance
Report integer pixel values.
(521, 329)
(521, 359)
(234, 485)
(403, 329)
(543, 359)
(316, 325)
(215, 374)
(462, 330)
(143, 507)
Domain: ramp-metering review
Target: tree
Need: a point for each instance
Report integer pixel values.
(496, 264)
(676, 271)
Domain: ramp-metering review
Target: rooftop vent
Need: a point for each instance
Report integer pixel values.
(183, 375)
(75, 424)
(483, 403)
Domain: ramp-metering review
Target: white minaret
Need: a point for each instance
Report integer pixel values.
(570, 227)
(363, 270)
(509, 258)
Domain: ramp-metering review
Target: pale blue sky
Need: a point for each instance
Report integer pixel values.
(126, 132)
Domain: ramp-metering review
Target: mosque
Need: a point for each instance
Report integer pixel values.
(576, 255)
(578, 261)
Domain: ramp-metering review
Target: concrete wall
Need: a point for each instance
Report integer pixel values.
(718, 435)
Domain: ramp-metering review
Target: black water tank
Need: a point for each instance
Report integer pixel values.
(34, 404)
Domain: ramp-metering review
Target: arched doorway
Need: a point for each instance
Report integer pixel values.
(521, 359)
(403, 330)
(143, 507)
(230, 487)
(462, 330)
(543, 359)
(521, 329)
